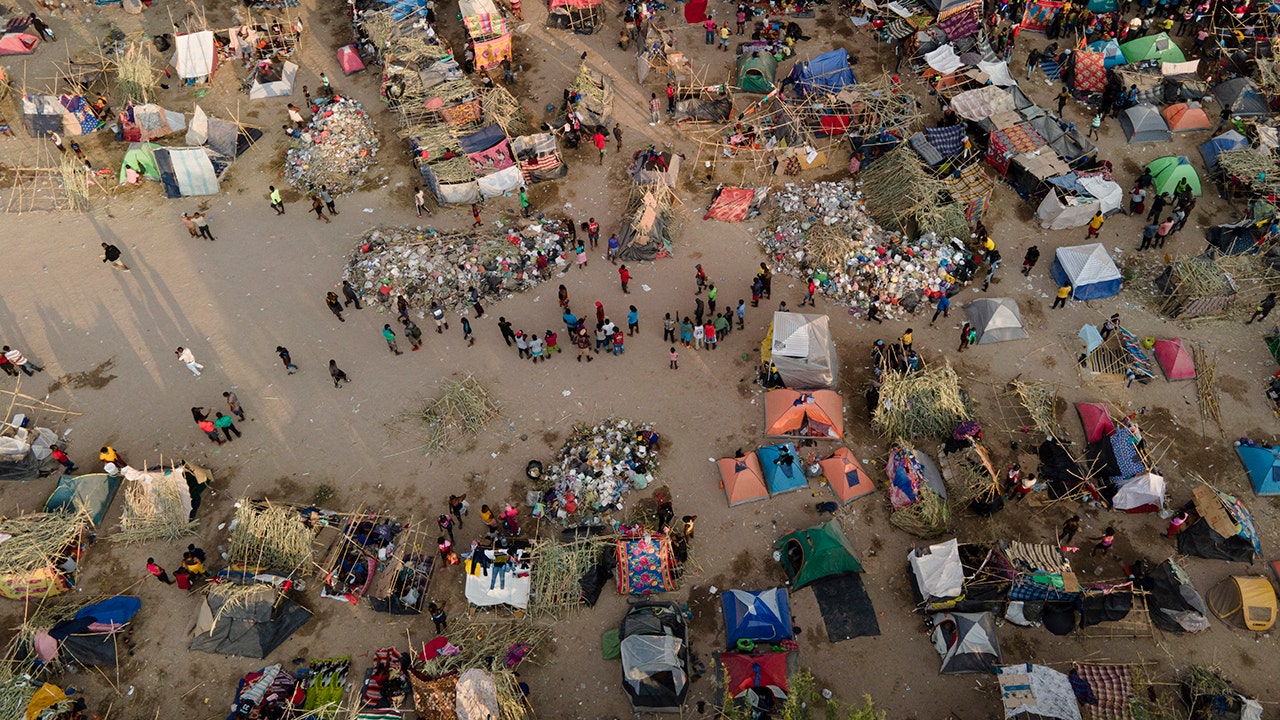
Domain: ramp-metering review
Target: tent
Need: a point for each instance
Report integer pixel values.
(827, 73)
(1185, 117)
(1167, 172)
(742, 479)
(281, 86)
(186, 172)
(249, 622)
(144, 123)
(996, 319)
(195, 58)
(1036, 692)
(349, 59)
(781, 467)
(845, 475)
(1175, 360)
(801, 348)
(1229, 140)
(731, 204)
(92, 493)
(645, 565)
(937, 572)
(1242, 96)
(1224, 530)
(87, 638)
(819, 552)
(654, 641)
(1152, 47)
(1174, 603)
(967, 642)
(1088, 269)
(1262, 464)
(1096, 420)
(225, 138)
(1142, 493)
(762, 616)
(1111, 53)
(1247, 601)
(1143, 124)
(758, 674)
(141, 157)
(756, 72)
(804, 414)
(18, 43)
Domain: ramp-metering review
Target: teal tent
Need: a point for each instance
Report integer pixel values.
(756, 73)
(93, 493)
(1263, 465)
(818, 552)
(141, 157)
(1167, 172)
(1153, 47)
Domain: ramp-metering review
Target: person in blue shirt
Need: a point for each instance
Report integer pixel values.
(633, 321)
(944, 309)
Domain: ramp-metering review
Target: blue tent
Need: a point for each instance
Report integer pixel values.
(1111, 53)
(829, 72)
(782, 469)
(92, 492)
(1262, 464)
(1229, 140)
(756, 615)
(1088, 269)
(117, 610)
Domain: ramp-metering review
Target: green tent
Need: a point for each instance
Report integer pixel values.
(816, 553)
(1170, 170)
(756, 72)
(93, 493)
(141, 156)
(1153, 47)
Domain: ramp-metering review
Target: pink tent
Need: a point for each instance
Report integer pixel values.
(1175, 360)
(349, 59)
(18, 43)
(1096, 420)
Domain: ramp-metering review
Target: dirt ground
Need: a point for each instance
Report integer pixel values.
(107, 340)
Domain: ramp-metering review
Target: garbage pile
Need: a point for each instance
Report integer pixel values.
(337, 147)
(823, 229)
(426, 266)
(597, 466)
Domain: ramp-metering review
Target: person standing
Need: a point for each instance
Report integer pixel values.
(675, 358)
(188, 358)
(233, 402)
(335, 305)
(1095, 125)
(943, 308)
(317, 206)
(618, 340)
(624, 275)
(1033, 61)
(1069, 530)
(724, 36)
(552, 342)
(995, 260)
(617, 136)
(709, 26)
(522, 345)
(1162, 231)
(1063, 97)
(475, 213)
(1030, 259)
(191, 226)
(524, 202)
(1148, 235)
(535, 348)
(41, 28)
(438, 617)
(741, 19)
(226, 425)
(201, 222)
(1095, 224)
(766, 281)
(20, 361)
(437, 314)
(466, 332)
(562, 296)
(613, 245)
(873, 311)
(1137, 200)
(742, 314)
(352, 296)
(285, 358)
(473, 297)
(337, 374)
(593, 232)
(390, 336)
(1064, 292)
(598, 139)
(277, 202)
(111, 254)
(583, 341)
(712, 294)
(508, 335)
(906, 339)
(420, 202)
(808, 294)
(699, 310)
(1260, 312)
(414, 333)
(1157, 207)
(62, 458)
(668, 329)
(158, 572)
(633, 320)
(964, 337)
(655, 108)
(327, 198)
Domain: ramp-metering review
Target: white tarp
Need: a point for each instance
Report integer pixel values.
(938, 570)
(1183, 68)
(514, 591)
(944, 60)
(198, 128)
(981, 103)
(189, 169)
(998, 72)
(459, 193)
(277, 88)
(803, 351)
(644, 656)
(194, 57)
(1107, 191)
(503, 181)
(1038, 691)
(1140, 490)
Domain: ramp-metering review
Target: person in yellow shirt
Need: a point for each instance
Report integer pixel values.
(108, 455)
(1064, 292)
(1095, 224)
(724, 36)
(906, 339)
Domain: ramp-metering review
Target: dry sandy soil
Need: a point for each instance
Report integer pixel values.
(107, 340)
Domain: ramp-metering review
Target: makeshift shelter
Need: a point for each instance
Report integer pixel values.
(802, 350)
(1173, 601)
(996, 320)
(645, 565)
(846, 476)
(967, 642)
(1144, 124)
(1186, 117)
(144, 123)
(1174, 360)
(91, 493)
(819, 552)
(225, 138)
(937, 574)
(650, 166)
(1088, 269)
(1142, 493)
(1096, 420)
(1152, 47)
(1263, 466)
(742, 479)
(18, 43)
(270, 81)
(731, 204)
(759, 678)
(538, 157)
(781, 467)
(86, 638)
(349, 59)
(1248, 602)
(1036, 692)
(917, 493)
(1060, 210)
(186, 172)
(511, 590)
(70, 115)
(25, 452)
(1242, 97)
(1168, 172)
(1229, 140)
(826, 74)
(804, 414)
(142, 158)
(647, 223)
(654, 641)
(41, 555)
(577, 15)
(1224, 529)
(245, 620)
(195, 58)
(756, 72)
(1204, 285)
(756, 616)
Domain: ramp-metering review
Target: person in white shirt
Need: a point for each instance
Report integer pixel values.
(188, 358)
(20, 361)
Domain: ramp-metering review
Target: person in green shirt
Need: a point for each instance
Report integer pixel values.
(390, 336)
(226, 425)
(712, 294)
(524, 202)
(277, 203)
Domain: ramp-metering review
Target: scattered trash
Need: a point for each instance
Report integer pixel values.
(335, 150)
(597, 466)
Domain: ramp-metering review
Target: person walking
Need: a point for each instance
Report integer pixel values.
(111, 254)
(1104, 543)
(995, 259)
(475, 213)
(943, 308)
(420, 202)
(633, 320)
(601, 142)
(1162, 232)
(1148, 236)
(188, 358)
(158, 572)
(613, 245)
(1260, 312)
(655, 108)
(617, 136)
(808, 293)
(1095, 125)
(191, 226)
(437, 314)
(524, 201)
(1063, 97)
(742, 314)
(414, 333)
(1095, 224)
(1069, 530)
(337, 374)
(390, 336)
(233, 402)
(675, 358)
(473, 299)
(277, 202)
(20, 361)
(873, 311)
(351, 294)
(906, 339)
(59, 455)
(508, 335)
(335, 305)
(285, 358)
(1033, 61)
(327, 198)
(466, 332)
(226, 425)
(1064, 292)
(1030, 259)
(317, 206)
(624, 275)
(201, 221)
(964, 337)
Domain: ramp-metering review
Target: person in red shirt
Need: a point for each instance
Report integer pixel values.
(625, 276)
(671, 95)
(62, 458)
(600, 142)
(618, 339)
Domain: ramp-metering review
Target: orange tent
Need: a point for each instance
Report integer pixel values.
(1184, 118)
(743, 480)
(804, 414)
(845, 475)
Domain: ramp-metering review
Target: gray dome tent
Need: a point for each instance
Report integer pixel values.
(1144, 124)
(967, 642)
(996, 319)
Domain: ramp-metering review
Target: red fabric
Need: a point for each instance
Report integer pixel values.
(742, 670)
(834, 124)
(1091, 71)
(731, 205)
(695, 11)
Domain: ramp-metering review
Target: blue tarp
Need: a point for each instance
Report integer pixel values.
(1111, 53)
(759, 615)
(781, 477)
(1229, 140)
(482, 140)
(829, 72)
(1262, 464)
(113, 611)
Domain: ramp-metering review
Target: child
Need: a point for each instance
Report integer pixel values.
(686, 333)
(709, 335)
(675, 357)
(582, 257)
(1104, 543)
(62, 458)
(742, 314)
(446, 551)
(618, 339)
(699, 334)
(699, 277)
(1069, 530)
(438, 617)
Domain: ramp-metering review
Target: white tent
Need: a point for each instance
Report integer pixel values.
(1140, 493)
(276, 88)
(198, 128)
(186, 172)
(512, 590)
(802, 350)
(503, 181)
(1061, 212)
(1088, 269)
(938, 571)
(1036, 691)
(996, 319)
(195, 57)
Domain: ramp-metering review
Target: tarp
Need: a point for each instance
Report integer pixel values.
(695, 11)
(1263, 466)
(731, 204)
(349, 59)
(766, 673)
(1248, 602)
(644, 565)
(249, 628)
(482, 18)
(42, 114)
(1039, 14)
(91, 493)
(1091, 71)
(1096, 421)
(194, 57)
(967, 642)
(42, 699)
(756, 72)
(1174, 603)
(804, 414)
(1143, 124)
(221, 136)
(275, 88)
(1088, 269)
(475, 696)
(511, 590)
(140, 156)
(1225, 530)
(938, 572)
(846, 476)
(909, 471)
(1152, 47)
(538, 157)
(1229, 140)
(491, 53)
(996, 319)
(1175, 360)
(943, 60)
(1059, 212)
(1141, 493)
(186, 172)
(800, 346)
(743, 480)
(501, 182)
(981, 103)
(18, 43)
(1167, 172)
(827, 73)
(1090, 336)
(762, 616)
(1242, 96)
(144, 123)
(654, 641)
(1111, 53)
(1186, 117)
(781, 467)
(815, 553)
(1036, 692)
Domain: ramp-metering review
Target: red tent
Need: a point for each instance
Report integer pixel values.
(764, 671)
(349, 59)
(1175, 360)
(1096, 420)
